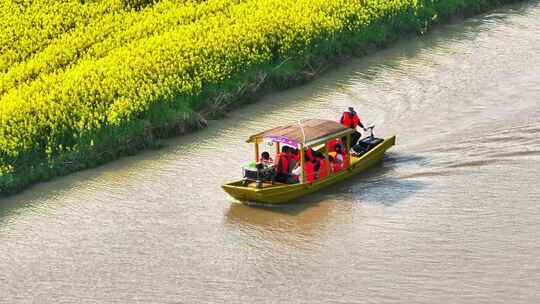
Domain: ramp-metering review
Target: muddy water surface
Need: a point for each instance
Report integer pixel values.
(451, 216)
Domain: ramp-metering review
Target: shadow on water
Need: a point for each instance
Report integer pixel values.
(381, 184)
(387, 191)
(295, 225)
(262, 215)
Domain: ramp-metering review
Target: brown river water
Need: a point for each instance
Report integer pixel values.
(452, 215)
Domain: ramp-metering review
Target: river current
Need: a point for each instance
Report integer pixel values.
(452, 215)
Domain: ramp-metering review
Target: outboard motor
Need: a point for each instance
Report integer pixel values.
(365, 144)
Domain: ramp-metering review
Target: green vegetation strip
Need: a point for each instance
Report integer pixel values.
(82, 82)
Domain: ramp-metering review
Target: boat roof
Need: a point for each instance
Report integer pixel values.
(315, 131)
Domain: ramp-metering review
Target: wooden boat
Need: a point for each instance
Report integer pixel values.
(315, 133)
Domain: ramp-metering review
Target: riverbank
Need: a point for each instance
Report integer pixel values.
(181, 113)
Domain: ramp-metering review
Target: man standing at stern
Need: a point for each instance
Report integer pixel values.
(351, 120)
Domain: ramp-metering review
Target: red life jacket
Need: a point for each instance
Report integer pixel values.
(296, 157)
(309, 154)
(310, 171)
(339, 165)
(322, 166)
(350, 121)
(332, 144)
(282, 163)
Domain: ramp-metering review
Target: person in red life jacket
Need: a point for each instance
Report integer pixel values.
(285, 164)
(294, 165)
(282, 165)
(350, 119)
(331, 164)
(322, 164)
(294, 162)
(316, 167)
(309, 154)
(332, 143)
(311, 169)
(340, 158)
(294, 158)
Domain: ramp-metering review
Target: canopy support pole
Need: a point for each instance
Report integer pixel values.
(327, 162)
(277, 149)
(302, 163)
(256, 152)
(348, 161)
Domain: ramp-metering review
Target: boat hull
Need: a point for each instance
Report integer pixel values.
(284, 193)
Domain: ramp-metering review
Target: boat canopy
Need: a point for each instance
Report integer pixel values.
(308, 132)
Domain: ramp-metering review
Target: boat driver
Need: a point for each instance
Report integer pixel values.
(351, 120)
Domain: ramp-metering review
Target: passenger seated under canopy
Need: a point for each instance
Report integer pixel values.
(266, 159)
(284, 164)
(339, 157)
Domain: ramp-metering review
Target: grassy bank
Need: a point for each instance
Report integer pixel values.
(84, 82)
